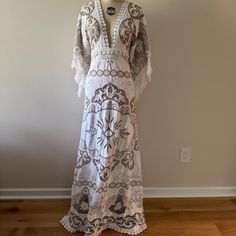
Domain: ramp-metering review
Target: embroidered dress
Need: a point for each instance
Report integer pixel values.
(107, 187)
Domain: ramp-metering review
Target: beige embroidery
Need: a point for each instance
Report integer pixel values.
(93, 30)
(127, 31)
(87, 8)
(142, 48)
(135, 11)
(110, 54)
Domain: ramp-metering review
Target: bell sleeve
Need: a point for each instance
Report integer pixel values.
(140, 58)
(81, 54)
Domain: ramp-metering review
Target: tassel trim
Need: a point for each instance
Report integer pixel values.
(81, 73)
(142, 80)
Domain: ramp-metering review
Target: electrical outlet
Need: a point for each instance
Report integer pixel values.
(185, 154)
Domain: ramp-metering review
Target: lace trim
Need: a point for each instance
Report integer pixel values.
(113, 73)
(82, 66)
(114, 54)
(106, 51)
(142, 79)
(107, 226)
(104, 26)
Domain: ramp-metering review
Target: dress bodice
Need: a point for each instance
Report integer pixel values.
(124, 56)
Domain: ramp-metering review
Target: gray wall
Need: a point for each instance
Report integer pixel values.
(191, 100)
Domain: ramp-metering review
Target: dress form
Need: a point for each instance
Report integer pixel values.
(111, 19)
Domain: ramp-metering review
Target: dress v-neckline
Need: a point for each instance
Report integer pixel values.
(104, 26)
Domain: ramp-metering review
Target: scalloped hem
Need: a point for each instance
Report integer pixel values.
(113, 227)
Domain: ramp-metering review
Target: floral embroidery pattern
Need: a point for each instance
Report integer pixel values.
(87, 8)
(110, 132)
(99, 224)
(110, 140)
(127, 31)
(81, 204)
(142, 47)
(135, 11)
(93, 30)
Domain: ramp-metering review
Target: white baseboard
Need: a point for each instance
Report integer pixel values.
(149, 192)
(35, 193)
(171, 192)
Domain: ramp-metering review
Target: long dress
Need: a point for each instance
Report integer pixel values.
(107, 189)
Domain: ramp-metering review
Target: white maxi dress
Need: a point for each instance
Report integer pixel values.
(107, 187)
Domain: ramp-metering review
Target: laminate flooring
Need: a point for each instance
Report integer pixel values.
(164, 217)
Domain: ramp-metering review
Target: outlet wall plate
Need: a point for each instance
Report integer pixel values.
(185, 154)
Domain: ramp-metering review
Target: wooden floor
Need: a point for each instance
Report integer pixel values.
(165, 217)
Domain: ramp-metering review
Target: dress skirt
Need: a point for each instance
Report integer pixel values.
(107, 187)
